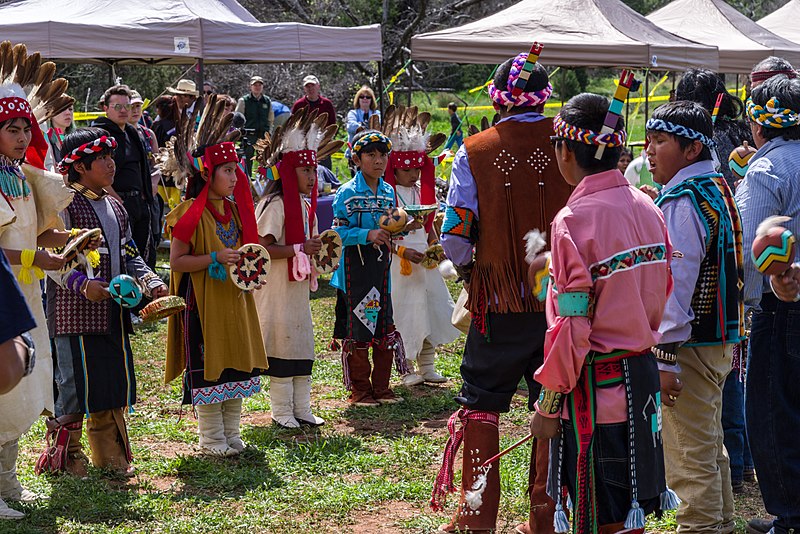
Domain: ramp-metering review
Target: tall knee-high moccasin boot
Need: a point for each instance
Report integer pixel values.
(480, 495)
(107, 435)
(5, 511)
(231, 421)
(281, 398)
(211, 430)
(425, 364)
(301, 396)
(382, 361)
(10, 488)
(542, 507)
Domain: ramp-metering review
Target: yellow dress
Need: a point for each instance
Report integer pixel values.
(228, 342)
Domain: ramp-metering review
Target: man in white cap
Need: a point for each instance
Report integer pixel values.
(186, 93)
(257, 110)
(313, 99)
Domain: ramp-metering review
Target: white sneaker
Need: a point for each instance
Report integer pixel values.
(412, 379)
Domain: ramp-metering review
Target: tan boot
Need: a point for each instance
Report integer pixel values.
(382, 361)
(231, 422)
(281, 399)
(107, 435)
(10, 488)
(481, 442)
(77, 462)
(211, 430)
(359, 368)
(301, 396)
(425, 364)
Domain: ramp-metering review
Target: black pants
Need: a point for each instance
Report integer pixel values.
(491, 370)
(140, 220)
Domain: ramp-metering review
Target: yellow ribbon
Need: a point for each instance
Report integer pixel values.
(405, 265)
(29, 270)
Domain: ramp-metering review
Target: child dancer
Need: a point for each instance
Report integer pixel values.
(29, 207)
(364, 305)
(287, 227)
(94, 372)
(421, 303)
(216, 342)
(600, 383)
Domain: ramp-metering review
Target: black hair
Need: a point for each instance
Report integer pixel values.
(703, 86)
(772, 63)
(452, 106)
(80, 137)
(588, 111)
(787, 91)
(625, 152)
(123, 90)
(370, 147)
(537, 81)
(7, 122)
(691, 115)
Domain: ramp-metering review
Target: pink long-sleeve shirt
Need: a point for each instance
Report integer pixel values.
(609, 238)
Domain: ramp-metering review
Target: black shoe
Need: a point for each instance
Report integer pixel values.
(738, 486)
(759, 526)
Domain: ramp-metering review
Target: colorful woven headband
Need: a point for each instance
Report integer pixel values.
(376, 137)
(763, 75)
(86, 149)
(588, 137)
(772, 115)
(660, 125)
(514, 95)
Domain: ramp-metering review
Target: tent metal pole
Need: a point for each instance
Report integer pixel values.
(646, 94)
(380, 86)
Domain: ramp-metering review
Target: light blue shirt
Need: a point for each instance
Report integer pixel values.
(770, 187)
(357, 210)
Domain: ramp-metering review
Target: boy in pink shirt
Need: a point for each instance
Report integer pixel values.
(609, 283)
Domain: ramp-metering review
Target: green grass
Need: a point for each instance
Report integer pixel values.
(366, 470)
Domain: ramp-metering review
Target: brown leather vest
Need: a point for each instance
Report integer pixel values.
(519, 188)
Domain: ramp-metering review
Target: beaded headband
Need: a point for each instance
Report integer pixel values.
(660, 125)
(376, 137)
(772, 115)
(515, 94)
(86, 149)
(763, 75)
(588, 137)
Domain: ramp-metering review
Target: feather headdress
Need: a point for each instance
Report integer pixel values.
(303, 131)
(28, 90)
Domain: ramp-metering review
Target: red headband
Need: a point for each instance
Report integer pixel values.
(292, 202)
(413, 159)
(86, 149)
(15, 107)
(763, 75)
(216, 155)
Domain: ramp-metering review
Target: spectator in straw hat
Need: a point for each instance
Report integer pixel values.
(186, 94)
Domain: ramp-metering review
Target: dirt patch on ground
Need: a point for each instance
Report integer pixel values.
(386, 518)
(166, 449)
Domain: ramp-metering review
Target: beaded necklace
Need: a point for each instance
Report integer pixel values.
(227, 231)
(12, 181)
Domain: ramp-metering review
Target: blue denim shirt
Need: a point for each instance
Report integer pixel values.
(356, 209)
(770, 187)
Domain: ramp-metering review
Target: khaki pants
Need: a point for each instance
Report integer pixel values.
(695, 458)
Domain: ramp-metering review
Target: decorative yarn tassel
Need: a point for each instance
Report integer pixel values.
(405, 267)
(444, 479)
(395, 342)
(669, 500)
(570, 506)
(347, 351)
(560, 521)
(215, 269)
(93, 257)
(28, 270)
(635, 517)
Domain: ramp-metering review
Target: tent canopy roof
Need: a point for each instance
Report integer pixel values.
(742, 43)
(175, 31)
(776, 22)
(575, 33)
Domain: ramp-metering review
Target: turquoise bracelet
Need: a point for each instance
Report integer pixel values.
(215, 269)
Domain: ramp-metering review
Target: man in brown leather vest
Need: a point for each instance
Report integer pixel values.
(504, 181)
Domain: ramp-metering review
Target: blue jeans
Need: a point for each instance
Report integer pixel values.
(734, 427)
(772, 407)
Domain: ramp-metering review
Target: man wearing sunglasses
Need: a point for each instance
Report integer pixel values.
(132, 185)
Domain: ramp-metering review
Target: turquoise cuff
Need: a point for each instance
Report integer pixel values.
(216, 270)
(574, 304)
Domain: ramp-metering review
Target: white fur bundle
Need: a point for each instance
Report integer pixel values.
(410, 139)
(294, 139)
(535, 241)
(447, 270)
(771, 222)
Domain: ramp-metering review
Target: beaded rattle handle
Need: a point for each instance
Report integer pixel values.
(615, 109)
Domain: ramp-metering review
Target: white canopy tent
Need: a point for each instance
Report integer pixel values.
(175, 31)
(778, 22)
(742, 43)
(575, 33)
